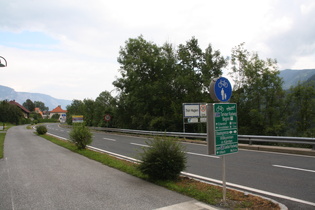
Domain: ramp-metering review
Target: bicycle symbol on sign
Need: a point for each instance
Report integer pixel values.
(220, 109)
(223, 83)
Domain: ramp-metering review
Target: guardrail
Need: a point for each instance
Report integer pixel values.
(246, 138)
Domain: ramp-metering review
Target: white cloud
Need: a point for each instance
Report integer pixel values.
(88, 35)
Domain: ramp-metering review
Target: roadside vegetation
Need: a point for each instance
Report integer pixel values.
(2, 136)
(201, 191)
(41, 129)
(80, 135)
(163, 159)
(156, 80)
(5, 127)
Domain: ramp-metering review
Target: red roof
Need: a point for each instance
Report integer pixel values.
(58, 110)
(20, 106)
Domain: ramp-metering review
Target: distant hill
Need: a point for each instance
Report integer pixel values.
(293, 77)
(311, 79)
(9, 94)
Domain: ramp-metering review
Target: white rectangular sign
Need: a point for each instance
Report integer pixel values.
(191, 110)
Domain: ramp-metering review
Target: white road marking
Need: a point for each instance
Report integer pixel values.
(141, 145)
(204, 155)
(191, 153)
(299, 169)
(58, 136)
(109, 139)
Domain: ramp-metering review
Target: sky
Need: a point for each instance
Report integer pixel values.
(68, 49)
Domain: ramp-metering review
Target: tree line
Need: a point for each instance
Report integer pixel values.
(10, 113)
(156, 80)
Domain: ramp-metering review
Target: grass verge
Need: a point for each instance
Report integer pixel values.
(201, 191)
(2, 136)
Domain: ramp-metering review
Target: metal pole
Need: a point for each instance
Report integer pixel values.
(223, 179)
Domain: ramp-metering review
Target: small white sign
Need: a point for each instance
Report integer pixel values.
(191, 110)
(192, 120)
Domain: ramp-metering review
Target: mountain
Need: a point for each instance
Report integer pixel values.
(293, 77)
(9, 94)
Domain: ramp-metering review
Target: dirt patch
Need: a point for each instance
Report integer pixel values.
(234, 199)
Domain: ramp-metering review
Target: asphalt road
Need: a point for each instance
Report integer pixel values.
(289, 179)
(37, 174)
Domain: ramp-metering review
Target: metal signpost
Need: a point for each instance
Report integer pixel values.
(222, 125)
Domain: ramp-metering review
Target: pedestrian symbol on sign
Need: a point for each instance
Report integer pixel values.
(221, 89)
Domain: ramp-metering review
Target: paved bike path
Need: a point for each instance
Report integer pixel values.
(37, 174)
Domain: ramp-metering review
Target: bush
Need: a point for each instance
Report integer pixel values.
(41, 130)
(48, 120)
(80, 135)
(164, 159)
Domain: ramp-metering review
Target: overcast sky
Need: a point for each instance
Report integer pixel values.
(68, 48)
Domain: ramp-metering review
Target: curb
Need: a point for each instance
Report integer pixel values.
(288, 150)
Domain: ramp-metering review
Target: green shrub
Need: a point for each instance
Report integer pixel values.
(164, 159)
(80, 135)
(41, 130)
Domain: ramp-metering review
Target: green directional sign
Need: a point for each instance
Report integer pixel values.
(222, 129)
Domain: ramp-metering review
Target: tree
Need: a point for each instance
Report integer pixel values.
(10, 113)
(301, 107)
(88, 111)
(105, 103)
(75, 108)
(41, 105)
(258, 93)
(36, 116)
(55, 116)
(156, 80)
(28, 104)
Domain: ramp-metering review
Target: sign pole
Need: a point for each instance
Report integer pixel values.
(222, 128)
(223, 179)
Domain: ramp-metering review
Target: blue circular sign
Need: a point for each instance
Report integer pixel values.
(222, 89)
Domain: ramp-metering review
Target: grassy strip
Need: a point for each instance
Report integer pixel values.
(201, 191)
(105, 159)
(2, 136)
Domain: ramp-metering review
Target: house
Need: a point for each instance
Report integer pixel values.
(62, 113)
(38, 111)
(25, 111)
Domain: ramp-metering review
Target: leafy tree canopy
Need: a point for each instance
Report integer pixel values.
(28, 104)
(156, 80)
(41, 105)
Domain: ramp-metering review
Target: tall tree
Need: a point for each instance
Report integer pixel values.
(156, 80)
(40, 105)
(301, 107)
(258, 93)
(105, 104)
(28, 104)
(10, 113)
(75, 108)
